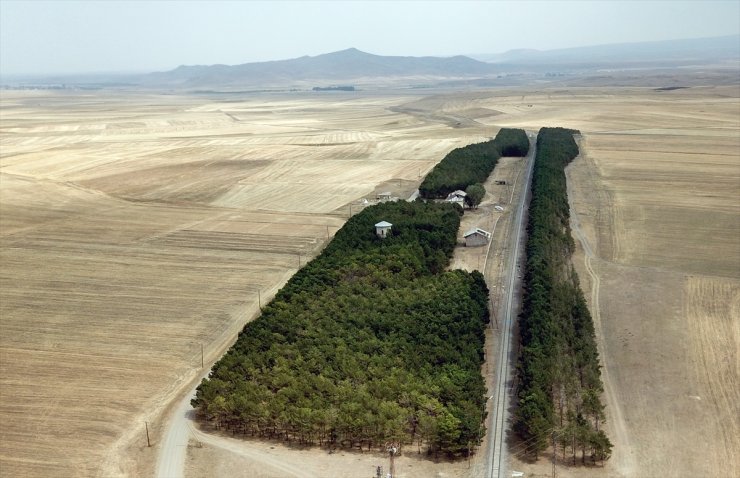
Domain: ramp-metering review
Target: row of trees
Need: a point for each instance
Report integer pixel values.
(559, 375)
(472, 164)
(370, 342)
(512, 142)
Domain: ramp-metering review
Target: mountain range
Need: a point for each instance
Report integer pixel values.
(352, 67)
(355, 67)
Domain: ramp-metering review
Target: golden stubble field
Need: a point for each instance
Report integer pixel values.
(135, 229)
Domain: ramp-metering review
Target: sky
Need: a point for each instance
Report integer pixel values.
(65, 37)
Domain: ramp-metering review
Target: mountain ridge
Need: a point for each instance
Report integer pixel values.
(632, 62)
(348, 65)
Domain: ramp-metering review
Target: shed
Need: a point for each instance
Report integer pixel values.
(386, 196)
(476, 237)
(382, 229)
(457, 197)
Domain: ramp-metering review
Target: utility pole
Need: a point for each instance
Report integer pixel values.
(327, 231)
(393, 465)
(553, 454)
(299, 260)
(259, 299)
(201, 355)
(148, 443)
(392, 450)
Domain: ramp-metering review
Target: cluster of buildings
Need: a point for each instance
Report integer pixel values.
(474, 237)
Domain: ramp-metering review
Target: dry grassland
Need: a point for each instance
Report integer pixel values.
(135, 228)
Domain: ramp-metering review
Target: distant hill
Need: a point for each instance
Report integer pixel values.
(695, 51)
(346, 66)
(696, 61)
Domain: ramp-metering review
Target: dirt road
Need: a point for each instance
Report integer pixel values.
(622, 458)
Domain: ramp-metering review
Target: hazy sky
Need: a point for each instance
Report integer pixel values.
(134, 36)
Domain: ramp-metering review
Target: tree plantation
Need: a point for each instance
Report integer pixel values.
(371, 342)
(473, 163)
(559, 376)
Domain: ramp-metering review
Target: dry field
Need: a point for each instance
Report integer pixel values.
(656, 192)
(136, 228)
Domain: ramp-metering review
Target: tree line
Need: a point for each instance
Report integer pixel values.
(369, 343)
(472, 164)
(559, 388)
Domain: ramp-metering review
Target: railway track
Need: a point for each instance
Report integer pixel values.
(496, 462)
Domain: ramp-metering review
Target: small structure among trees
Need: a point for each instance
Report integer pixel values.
(382, 229)
(476, 237)
(457, 197)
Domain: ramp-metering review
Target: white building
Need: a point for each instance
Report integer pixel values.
(457, 197)
(382, 229)
(476, 237)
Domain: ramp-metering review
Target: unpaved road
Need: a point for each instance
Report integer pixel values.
(182, 428)
(623, 461)
(171, 462)
(171, 459)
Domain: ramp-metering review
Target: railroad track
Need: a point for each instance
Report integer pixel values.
(496, 462)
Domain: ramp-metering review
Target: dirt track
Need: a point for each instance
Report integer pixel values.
(661, 208)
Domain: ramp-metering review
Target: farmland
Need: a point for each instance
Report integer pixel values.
(656, 193)
(134, 228)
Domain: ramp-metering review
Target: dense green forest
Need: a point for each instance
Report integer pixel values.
(472, 164)
(559, 376)
(370, 342)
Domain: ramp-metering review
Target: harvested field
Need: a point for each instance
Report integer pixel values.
(660, 204)
(136, 228)
(132, 230)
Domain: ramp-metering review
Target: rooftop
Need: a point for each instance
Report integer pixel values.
(478, 230)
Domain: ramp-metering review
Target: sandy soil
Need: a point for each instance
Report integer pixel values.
(215, 455)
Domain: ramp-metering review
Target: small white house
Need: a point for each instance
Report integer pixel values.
(382, 229)
(457, 197)
(476, 237)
